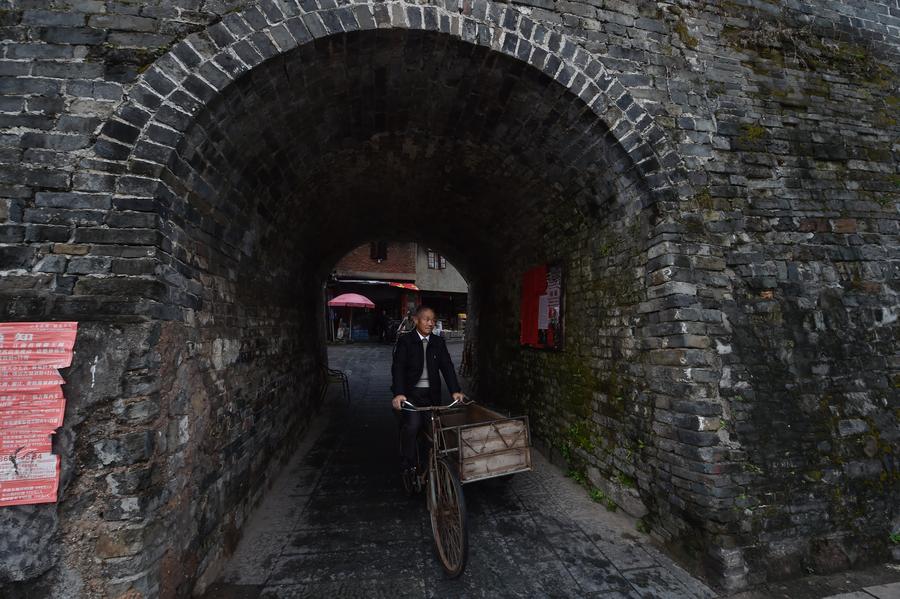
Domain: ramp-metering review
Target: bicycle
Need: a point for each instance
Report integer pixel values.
(444, 498)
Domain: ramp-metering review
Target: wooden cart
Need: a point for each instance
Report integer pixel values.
(466, 443)
(484, 443)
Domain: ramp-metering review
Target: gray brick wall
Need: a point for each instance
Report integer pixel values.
(719, 179)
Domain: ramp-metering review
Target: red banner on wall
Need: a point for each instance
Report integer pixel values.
(32, 405)
(31, 478)
(540, 308)
(22, 439)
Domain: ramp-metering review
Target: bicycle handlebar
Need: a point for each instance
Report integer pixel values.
(451, 406)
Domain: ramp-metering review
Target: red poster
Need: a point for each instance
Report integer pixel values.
(39, 379)
(541, 307)
(32, 406)
(37, 343)
(49, 396)
(41, 418)
(23, 440)
(29, 478)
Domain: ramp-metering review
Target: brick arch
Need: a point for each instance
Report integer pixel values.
(149, 129)
(195, 71)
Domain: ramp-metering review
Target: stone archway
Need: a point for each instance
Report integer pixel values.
(201, 66)
(235, 161)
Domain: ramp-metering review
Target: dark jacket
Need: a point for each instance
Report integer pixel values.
(407, 366)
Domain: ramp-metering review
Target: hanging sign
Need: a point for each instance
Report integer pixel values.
(32, 405)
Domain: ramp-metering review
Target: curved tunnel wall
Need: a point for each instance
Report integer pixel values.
(373, 133)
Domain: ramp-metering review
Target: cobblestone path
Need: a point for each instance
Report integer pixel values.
(336, 524)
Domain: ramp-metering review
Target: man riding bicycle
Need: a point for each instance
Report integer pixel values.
(419, 360)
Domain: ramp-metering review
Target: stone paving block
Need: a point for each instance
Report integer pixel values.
(550, 579)
(302, 481)
(656, 582)
(492, 500)
(401, 559)
(521, 538)
(329, 513)
(631, 594)
(255, 557)
(694, 585)
(411, 588)
(885, 591)
(354, 482)
(222, 590)
(625, 555)
(369, 537)
(593, 571)
(280, 515)
(554, 525)
(480, 585)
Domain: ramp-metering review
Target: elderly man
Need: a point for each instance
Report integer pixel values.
(419, 360)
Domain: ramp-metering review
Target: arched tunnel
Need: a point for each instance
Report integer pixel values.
(179, 184)
(385, 134)
(404, 135)
(261, 168)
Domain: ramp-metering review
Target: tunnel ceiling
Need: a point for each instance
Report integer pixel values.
(396, 135)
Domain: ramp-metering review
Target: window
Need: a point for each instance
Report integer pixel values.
(436, 261)
(378, 251)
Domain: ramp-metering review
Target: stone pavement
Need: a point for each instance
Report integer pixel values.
(876, 582)
(335, 523)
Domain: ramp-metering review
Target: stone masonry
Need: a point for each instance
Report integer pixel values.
(719, 181)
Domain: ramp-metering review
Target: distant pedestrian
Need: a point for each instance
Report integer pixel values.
(384, 324)
(408, 324)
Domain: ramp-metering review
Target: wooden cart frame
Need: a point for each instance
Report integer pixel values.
(468, 442)
(486, 444)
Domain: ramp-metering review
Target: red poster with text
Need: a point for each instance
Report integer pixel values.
(541, 307)
(37, 343)
(29, 478)
(32, 406)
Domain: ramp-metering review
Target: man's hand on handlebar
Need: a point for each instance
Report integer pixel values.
(400, 401)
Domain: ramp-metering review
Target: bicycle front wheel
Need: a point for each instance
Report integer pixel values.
(448, 519)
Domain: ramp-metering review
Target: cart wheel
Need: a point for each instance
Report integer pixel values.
(448, 520)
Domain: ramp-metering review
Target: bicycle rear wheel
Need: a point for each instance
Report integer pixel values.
(448, 519)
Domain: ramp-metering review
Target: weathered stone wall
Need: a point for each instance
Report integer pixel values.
(788, 113)
(171, 433)
(629, 405)
(732, 306)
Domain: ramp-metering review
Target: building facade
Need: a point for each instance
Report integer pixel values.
(397, 277)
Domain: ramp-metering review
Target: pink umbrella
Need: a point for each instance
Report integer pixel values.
(351, 300)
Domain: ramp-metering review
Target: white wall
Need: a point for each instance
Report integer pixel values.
(432, 279)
